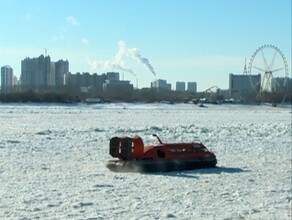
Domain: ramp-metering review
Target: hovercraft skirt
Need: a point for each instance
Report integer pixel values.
(160, 165)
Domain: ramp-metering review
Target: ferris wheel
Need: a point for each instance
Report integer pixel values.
(268, 61)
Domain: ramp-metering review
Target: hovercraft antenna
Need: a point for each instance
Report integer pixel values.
(155, 135)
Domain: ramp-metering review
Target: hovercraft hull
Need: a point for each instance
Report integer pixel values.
(160, 165)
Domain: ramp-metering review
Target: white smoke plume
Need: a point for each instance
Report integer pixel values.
(135, 53)
(118, 63)
(109, 65)
(121, 51)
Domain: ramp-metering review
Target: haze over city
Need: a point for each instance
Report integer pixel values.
(201, 41)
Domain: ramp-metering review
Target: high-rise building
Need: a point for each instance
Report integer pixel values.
(192, 87)
(61, 68)
(282, 84)
(35, 72)
(112, 76)
(72, 80)
(243, 85)
(180, 86)
(161, 84)
(86, 80)
(7, 79)
(52, 76)
(38, 73)
(117, 86)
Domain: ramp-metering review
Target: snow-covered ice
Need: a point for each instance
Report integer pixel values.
(52, 162)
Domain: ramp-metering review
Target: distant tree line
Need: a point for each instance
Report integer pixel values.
(72, 94)
(31, 96)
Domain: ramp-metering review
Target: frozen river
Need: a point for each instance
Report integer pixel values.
(52, 162)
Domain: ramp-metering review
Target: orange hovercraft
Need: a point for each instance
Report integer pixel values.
(133, 156)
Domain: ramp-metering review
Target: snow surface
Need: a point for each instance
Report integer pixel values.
(52, 162)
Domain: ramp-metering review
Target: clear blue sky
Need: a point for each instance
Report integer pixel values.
(184, 40)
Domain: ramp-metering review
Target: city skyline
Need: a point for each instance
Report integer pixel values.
(201, 41)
